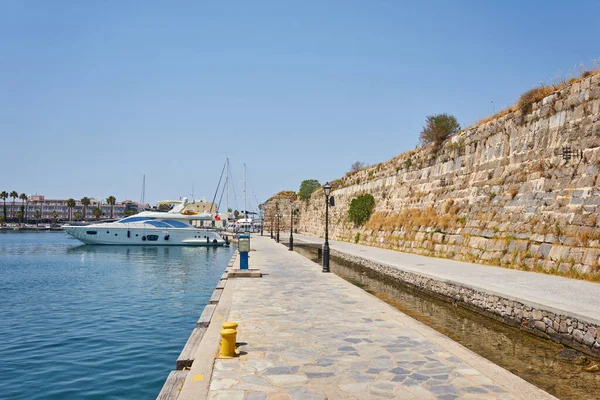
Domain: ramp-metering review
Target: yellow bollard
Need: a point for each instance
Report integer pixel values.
(228, 343)
(230, 325)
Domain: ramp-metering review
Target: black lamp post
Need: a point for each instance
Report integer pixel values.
(278, 218)
(291, 246)
(327, 190)
(271, 225)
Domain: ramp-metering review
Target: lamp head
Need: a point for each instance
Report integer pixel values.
(327, 188)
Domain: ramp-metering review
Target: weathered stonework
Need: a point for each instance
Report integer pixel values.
(519, 191)
(568, 330)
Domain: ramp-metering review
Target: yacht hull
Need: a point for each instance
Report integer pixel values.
(112, 235)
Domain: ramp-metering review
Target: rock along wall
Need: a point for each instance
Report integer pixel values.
(520, 190)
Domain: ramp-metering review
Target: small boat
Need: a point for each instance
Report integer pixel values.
(150, 228)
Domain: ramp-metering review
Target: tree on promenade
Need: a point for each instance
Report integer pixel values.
(307, 187)
(438, 128)
(97, 212)
(86, 202)
(78, 215)
(70, 205)
(54, 216)
(14, 195)
(37, 214)
(23, 198)
(4, 196)
(111, 200)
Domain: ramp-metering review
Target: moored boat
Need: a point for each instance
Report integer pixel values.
(150, 228)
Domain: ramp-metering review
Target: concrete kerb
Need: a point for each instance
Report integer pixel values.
(198, 379)
(198, 340)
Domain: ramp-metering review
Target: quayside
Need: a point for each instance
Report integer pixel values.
(531, 358)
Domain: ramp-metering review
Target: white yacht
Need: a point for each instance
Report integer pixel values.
(151, 228)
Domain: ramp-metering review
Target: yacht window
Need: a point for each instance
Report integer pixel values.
(152, 238)
(91, 232)
(158, 224)
(133, 219)
(176, 224)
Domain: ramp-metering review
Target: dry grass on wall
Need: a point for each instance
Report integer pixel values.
(413, 218)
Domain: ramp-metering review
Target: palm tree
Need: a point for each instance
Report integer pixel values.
(70, 205)
(97, 212)
(37, 214)
(86, 202)
(78, 215)
(23, 198)
(111, 200)
(54, 215)
(4, 196)
(14, 195)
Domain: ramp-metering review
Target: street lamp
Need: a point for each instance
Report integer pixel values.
(291, 246)
(278, 218)
(271, 225)
(327, 190)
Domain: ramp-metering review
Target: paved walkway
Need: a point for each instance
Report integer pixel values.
(553, 293)
(309, 335)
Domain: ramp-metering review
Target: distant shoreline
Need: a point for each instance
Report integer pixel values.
(20, 229)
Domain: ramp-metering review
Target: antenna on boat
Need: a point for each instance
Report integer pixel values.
(227, 190)
(143, 198)
(245, 208)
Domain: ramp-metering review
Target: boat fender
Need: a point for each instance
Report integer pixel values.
(214, 241)
(128, 234)
(207, 240)
(167, 237)
(143, 237)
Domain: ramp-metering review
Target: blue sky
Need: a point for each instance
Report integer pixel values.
(93, 95)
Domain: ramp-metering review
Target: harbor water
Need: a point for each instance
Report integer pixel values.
(96, 322)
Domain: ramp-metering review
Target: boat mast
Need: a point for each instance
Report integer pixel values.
(227, 191)
(142, 201)
(245, 208)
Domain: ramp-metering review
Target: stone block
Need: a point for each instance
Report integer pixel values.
(558, 253)
(591, 256)
(544, 250)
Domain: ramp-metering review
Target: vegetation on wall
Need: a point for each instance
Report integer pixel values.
(307, 187)
(357, 166)
(361, 208)
(438, 128)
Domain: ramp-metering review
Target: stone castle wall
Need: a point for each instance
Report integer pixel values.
(520, 190)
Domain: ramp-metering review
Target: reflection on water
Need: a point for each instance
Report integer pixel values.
(83, 321)
(529, 357)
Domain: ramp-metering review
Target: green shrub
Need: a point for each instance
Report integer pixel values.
(438, 128)
(357, 237)
(361, 208)
(307, 187)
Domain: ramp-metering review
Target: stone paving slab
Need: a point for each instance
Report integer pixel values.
(572, 297)
(308, 335)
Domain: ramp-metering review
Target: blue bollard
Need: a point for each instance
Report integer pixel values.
(244, 248)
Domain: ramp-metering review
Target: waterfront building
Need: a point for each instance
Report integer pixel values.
(47, 207)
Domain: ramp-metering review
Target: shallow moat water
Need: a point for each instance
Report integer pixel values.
(529, 357)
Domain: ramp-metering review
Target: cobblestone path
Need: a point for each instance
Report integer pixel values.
(308, 335)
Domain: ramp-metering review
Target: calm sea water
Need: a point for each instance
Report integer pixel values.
(96, 322)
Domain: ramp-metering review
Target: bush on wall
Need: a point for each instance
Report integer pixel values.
(361, 208)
